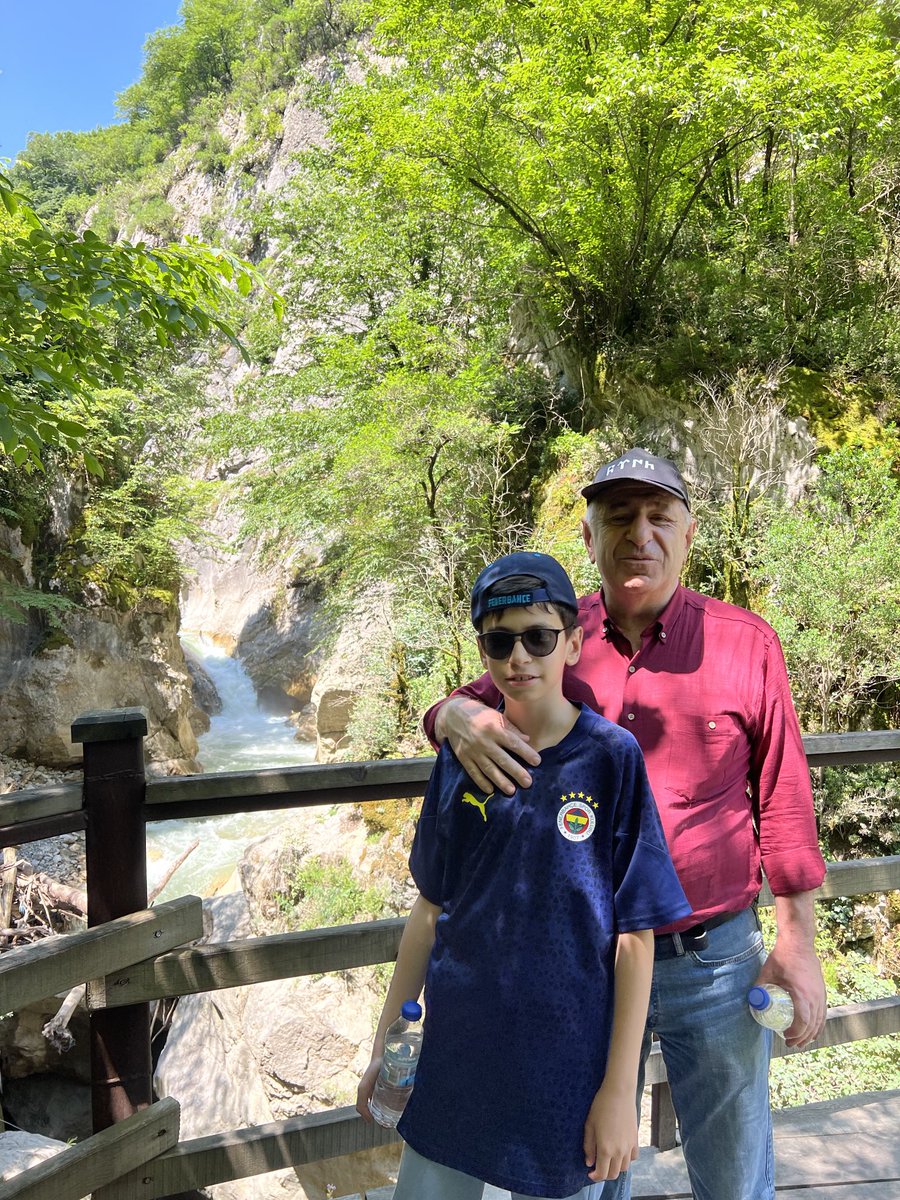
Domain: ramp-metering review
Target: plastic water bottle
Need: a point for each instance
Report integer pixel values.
(402, 1044)
(772, 1007)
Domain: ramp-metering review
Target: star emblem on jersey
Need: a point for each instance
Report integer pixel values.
(575, 820)
(478, 800)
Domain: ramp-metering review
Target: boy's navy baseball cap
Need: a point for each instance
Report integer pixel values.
(643, 467)
(554, 586)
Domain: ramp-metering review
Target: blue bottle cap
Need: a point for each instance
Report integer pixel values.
(758, 998)
(411, 1010)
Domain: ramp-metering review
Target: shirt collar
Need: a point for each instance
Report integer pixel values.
(664, 623)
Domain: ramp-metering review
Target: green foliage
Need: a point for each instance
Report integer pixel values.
(126, 544)
(17, 602)
(615, 140)
(155, 216)
(322, 892)
(402, 437)
(830, 585)
(858, 809)
(62, 298)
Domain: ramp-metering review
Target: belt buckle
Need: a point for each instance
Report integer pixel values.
(695, 938)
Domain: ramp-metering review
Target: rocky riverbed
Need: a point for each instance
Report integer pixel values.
(61, 857)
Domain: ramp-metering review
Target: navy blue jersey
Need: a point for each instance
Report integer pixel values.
(533, 888)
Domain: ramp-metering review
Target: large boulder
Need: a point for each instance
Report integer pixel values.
(359, 653)
(102, 659)
(19, 1151)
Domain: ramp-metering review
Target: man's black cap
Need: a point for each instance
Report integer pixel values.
(642, 467)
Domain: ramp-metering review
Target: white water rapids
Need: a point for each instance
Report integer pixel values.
(239, 738)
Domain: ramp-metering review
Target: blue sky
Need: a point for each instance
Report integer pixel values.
(62, 62)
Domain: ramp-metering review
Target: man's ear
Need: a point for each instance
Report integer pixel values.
(588, 536)
(482, 656)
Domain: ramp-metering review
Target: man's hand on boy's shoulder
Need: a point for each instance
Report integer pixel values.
(484, 740)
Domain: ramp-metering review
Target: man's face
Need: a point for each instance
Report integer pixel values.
(638, 536)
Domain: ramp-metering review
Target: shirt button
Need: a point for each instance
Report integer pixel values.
(712, 724)
(662, 635)
(631, 716)
(631, 670)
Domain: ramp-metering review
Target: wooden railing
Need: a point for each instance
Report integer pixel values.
(131, 955)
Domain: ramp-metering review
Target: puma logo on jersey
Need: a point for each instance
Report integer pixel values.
(468, 798)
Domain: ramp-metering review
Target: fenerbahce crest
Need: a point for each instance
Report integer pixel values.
(576, 820)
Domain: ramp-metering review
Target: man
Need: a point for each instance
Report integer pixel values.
(703, 687)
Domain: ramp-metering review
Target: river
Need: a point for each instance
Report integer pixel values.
(239, 738)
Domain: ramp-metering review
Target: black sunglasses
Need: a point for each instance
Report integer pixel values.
(539, 641)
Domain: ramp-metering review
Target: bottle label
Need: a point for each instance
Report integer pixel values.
(398, 1067)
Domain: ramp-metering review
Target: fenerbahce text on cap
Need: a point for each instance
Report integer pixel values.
(554, 586)
(642, 467)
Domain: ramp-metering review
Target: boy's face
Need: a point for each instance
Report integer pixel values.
(525, 677)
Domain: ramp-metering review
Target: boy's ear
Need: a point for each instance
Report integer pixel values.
(482, 656)
(574, 640)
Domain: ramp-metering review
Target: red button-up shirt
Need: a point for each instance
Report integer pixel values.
(708, 699)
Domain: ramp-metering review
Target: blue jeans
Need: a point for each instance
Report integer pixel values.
(422, 1179)
(717, 1061)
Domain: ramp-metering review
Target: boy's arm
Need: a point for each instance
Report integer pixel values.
(611, 1129)
(406, 984)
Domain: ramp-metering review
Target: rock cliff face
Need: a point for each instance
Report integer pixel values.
(265, 613)
(100, 659)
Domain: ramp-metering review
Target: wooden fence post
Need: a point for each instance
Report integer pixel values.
(116, 859)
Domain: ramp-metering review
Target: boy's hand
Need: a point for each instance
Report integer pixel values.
(367, 1087)
(610, 1134)
(484, 741)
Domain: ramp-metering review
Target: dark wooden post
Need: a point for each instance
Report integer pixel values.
(116, 859)
(663, 1123)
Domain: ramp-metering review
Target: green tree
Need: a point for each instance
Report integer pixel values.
(603, 131)
(830, 584)
(62, 299)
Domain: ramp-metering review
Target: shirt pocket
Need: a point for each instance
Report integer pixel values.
(708, 755)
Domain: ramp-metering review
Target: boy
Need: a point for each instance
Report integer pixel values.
(534, 924)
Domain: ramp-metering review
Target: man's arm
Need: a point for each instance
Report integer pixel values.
(611, 1129)
(484, 741)
(406, 984)
(789, 845)
(794, 964)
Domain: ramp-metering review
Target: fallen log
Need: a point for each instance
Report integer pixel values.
(171, 871)
(56, 1031)
(8, 885)
(62, 893)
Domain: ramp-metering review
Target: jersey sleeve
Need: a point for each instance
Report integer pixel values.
(428, 856)
(647, 893)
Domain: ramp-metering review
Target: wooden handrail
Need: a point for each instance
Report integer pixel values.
(217, 794)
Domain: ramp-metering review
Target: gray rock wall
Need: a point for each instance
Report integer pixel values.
(107, 660)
